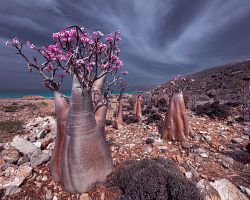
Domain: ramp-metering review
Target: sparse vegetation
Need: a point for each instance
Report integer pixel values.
(130, 119)
(154, 117)
(213, 110)
(11, 126)
(14, 107)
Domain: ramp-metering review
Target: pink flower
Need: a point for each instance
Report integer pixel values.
(55, 36)
(15, 41)
(125, 72)
(101, 46)
(97, 34)
(32, 46)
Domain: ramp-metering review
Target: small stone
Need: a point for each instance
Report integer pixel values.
(48, 194)
(225, 164)
(42, 134)
(51, 146)
(178, 159)
(149, 141)
(84, 196)
(228, 160)
(203, 132)
(134, 155)
(237, 140)
(199, 151)
(23, 160)
(38, 158)
(245, 137)
(4, 166)
(45, 142)
(44, 178)
(55, 197)
(207, 138)
(11, 155)
(112, 148)
(204, 176)
(148, 150)
(244, 189)
(189, 175)
(163, 149)
(204, 155)
(186, 145)
(37, 144)
(12, 190)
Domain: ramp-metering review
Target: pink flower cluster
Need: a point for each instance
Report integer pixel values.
(94, 50)
(32, 46)
(65, 35)
(54, 52)
(113, 37)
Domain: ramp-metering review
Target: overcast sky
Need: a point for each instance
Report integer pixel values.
(161, 38)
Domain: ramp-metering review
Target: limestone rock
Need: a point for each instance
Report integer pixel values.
(13, 177)
(11, 155)
(23, 145)
(207, 190)
(227, 190)
(39, 157)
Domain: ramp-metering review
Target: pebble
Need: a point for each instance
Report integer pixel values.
(207, 138)
(244, 189)
(186, 145)
(237, 140)
(162, 149)
(204, 155)
(84, 196)
(189, 175)
(148, 150)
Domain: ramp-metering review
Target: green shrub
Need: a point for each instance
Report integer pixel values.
(43, 103)
(11, 108)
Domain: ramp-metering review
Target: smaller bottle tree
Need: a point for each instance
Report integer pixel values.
(119, 114)
(175, 125)
(138, 106)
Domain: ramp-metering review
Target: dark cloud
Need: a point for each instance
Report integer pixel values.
(160, 38)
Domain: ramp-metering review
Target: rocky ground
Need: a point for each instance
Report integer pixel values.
(214, 158)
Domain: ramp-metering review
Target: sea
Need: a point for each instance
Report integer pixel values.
(43, 93)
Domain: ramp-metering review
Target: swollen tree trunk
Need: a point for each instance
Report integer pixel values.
(175, 125)
(137, 107)
(101, 107)
(86, 158)
(119, 119)
(61, 110)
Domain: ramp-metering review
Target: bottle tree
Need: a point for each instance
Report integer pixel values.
(121, 87)
(82, 157)
(175, 125)
(137, 106)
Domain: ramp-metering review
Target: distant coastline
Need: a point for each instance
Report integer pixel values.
(47, 94)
